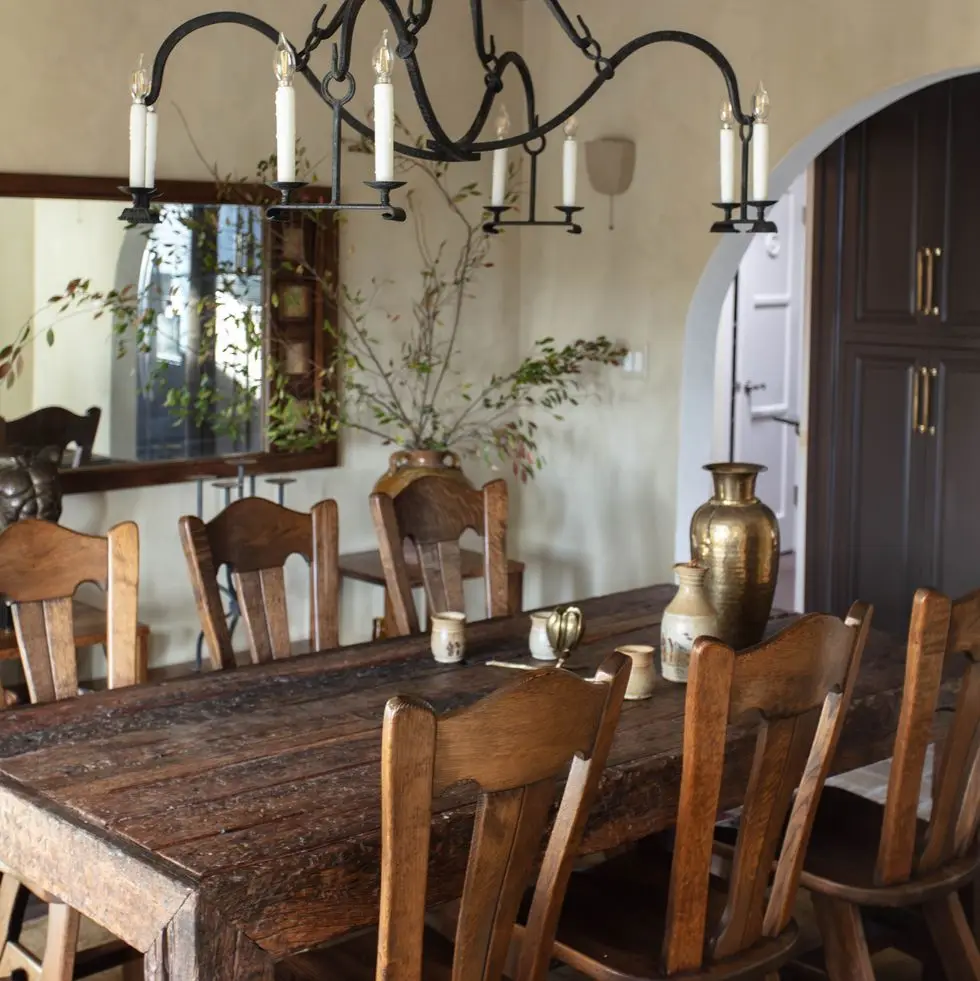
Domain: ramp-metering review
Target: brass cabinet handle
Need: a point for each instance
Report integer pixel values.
(931, 255)
(916, 392)
(919, 263)
(927, 376)
(927, 306)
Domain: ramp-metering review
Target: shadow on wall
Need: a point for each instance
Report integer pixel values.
(697, 373)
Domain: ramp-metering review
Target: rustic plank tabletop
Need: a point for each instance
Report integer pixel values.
(222, 822)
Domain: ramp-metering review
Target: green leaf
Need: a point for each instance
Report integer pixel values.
(49, 336)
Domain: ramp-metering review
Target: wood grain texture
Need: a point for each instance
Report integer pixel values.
(432, 513)
(918, 865)
(41, 566)
(259, 789)
(493, 744)
(254, 537)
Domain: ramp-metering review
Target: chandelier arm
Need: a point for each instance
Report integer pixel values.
(614, 61)
(266, 30)
(507, 59)
(486, 55)
(579, 40)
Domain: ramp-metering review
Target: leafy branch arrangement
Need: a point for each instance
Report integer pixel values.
(422, 399)
(417, 398)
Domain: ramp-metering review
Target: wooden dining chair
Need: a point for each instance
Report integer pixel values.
(432, 514)
(514, 745)
(41, 566)
(866, 854)
(56, 426)
(650, 914)
(254, 537)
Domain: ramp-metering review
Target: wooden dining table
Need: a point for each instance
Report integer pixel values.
(225, 821)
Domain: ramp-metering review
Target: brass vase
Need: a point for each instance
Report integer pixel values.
(737, 538)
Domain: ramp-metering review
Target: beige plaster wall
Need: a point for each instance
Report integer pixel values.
(611, 510)
(71, 116)
(17, 296)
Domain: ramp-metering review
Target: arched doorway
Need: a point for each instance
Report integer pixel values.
(698, 395)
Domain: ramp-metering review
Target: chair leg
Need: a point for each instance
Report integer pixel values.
(12, 901)
(845, 946)
(61, 943)
(953, 937)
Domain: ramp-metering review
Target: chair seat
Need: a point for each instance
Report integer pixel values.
(356, 960)
(840, 860)
(614, 918)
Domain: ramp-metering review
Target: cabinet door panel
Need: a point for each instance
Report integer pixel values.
(893, 205)
(960, 284)
(953, 468)
(877, 484)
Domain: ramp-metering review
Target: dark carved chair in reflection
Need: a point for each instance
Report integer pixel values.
(53, 426)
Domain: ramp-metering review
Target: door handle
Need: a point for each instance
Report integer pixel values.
(916, 399)
(927, 426)
(919, 275)
(931, 308)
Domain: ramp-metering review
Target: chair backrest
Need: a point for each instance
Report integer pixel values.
(41, 566)
(796, 688)
(432, 513)
(514, 744)
(54, 426)
(254, 537)
(941, 634)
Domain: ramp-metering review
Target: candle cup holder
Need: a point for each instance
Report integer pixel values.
(727, 225)
(762, 223)
(285, 190)
(497, 211)
(140, 212)
(569, 213)
(389, 211)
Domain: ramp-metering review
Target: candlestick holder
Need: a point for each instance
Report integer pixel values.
(741, 222)
(497, 221)
(140, 212)
(387, 210)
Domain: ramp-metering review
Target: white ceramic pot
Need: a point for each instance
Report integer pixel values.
(448, 637)
(538, 643)
(689, 615)
(643, 674)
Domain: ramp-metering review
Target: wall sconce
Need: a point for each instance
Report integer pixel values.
(610, 163)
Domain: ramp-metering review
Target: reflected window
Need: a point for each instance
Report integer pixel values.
(200, 351)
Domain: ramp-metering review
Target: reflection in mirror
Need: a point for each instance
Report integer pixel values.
(150, 344)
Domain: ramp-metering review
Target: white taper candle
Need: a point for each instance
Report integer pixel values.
(150, 169)
(569, 164)
(498, 187)
(760, 145)
(498, 193)
(285, 134)
(727, 144)
(384, 111)
(285, 68)
(137, 144)
(760, 161)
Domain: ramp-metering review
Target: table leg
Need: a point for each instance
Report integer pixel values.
(515, 591)
(199, 945)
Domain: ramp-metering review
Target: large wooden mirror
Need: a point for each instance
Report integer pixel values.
(150, 346)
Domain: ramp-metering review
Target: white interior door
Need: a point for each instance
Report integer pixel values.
(768, 341)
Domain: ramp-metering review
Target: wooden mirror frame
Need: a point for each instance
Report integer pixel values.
(117, 476)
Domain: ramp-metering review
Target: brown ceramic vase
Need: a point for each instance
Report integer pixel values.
(407, 466)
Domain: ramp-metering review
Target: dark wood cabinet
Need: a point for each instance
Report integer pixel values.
(895, 362)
